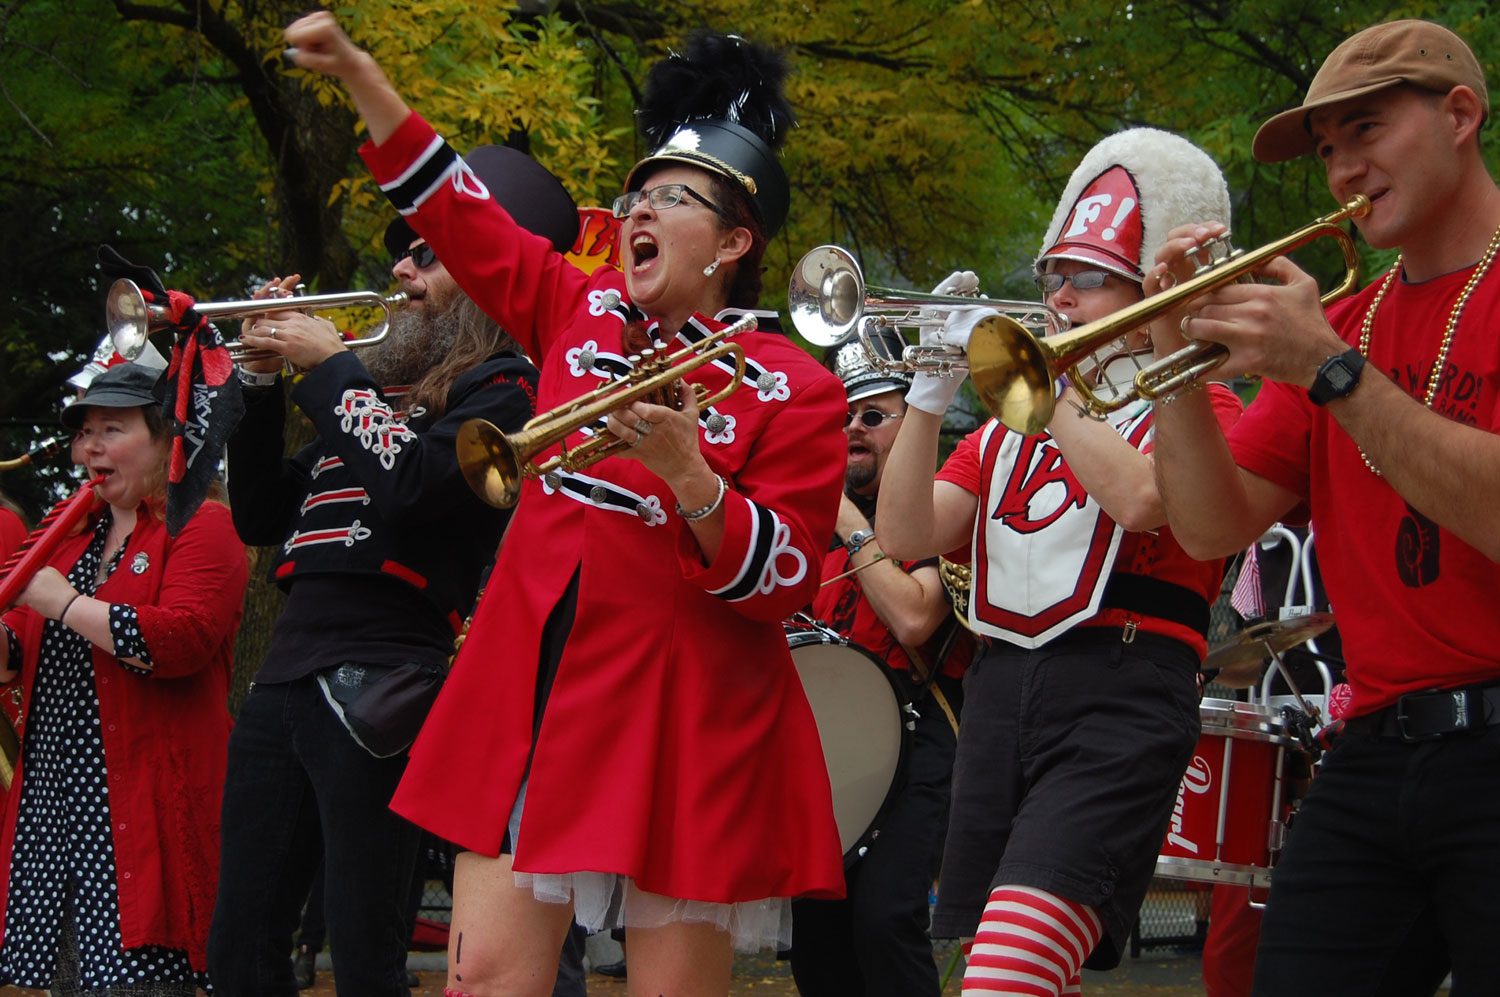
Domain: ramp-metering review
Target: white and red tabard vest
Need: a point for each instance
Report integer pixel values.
(1043, 548)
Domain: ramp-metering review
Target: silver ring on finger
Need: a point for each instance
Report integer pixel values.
(1182, 327)
(273, 332)
(642, 427)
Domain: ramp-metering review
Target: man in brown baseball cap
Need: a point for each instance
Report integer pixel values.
(1419, 53)
(1379, 418)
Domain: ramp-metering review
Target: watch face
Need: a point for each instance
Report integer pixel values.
(1339, 377)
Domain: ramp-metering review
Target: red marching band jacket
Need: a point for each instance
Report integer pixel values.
(166, 735)
(677, 746)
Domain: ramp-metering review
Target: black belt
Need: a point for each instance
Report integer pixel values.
(1146, 596)
(1429, 716)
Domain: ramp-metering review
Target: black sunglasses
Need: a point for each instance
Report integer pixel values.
(421, 255)
(870, 418)
(1084, 280)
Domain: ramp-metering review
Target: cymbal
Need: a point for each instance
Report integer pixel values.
(1250, 643)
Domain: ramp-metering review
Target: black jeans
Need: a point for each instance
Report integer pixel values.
(299, 788)
(875, 941)
(1390, 835)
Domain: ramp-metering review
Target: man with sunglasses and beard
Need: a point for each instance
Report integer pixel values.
(380, 545)
(875, 940)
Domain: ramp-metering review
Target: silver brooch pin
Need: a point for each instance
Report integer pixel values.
(140, 563)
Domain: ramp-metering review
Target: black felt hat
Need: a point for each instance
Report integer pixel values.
(125, 385)
(719, 106)
(525, 188)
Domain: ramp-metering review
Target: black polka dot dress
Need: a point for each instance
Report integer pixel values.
(63, 860)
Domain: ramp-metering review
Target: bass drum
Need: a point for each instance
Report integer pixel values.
(864, 722)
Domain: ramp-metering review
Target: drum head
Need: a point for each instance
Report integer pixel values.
(860, 722)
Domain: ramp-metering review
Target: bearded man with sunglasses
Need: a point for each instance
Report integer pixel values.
(380, 545)
(1082, 706)
(875, 941)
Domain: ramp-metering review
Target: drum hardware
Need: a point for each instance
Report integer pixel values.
(495, 463)
(130, 319)
(1228, 822)
(45, 450)
(1021, 370)
(1267, 639)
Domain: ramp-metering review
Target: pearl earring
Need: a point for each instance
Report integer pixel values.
(708, 271)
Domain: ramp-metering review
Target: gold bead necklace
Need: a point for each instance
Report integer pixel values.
(1435, 377)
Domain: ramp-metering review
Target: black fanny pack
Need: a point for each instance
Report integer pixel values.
(383, 706)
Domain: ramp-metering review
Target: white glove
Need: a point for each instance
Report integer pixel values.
(933, 392)
(957, 282)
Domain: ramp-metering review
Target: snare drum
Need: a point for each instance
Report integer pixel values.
(864, 721)
(1230, 817)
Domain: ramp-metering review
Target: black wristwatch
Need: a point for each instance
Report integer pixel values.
(1338, 376)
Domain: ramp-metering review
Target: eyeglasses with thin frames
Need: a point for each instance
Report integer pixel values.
(421, 255)
(1083, 280)
(870, 418)
(668, 195)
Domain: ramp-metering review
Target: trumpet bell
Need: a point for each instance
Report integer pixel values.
(826, 296)
(127, 318)
(489, 463)
(1009, 369)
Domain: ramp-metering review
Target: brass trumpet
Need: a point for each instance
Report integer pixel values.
(130, 319)
(495, 464)
(828, 297)
(1020, 368)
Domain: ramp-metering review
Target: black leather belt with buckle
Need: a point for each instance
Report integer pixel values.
(1428, 716)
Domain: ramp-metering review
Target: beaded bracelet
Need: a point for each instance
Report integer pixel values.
(695, 515)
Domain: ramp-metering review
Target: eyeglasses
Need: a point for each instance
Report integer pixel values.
(421, 255)
(870, 418)
(668, 195)
(1084, 280)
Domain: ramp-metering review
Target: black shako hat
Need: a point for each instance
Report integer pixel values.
(719, 106)
(851, 362)
(522, 186)
(125, 385)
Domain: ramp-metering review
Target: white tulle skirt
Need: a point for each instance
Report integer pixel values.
(609, 900)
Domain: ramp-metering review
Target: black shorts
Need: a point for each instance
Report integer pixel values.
(1069, 758)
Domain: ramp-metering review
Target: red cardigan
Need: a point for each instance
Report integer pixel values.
(166, 736)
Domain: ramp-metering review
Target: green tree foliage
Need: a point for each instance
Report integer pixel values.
(934, 134)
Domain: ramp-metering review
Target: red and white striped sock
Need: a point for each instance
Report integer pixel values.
(1031, 943)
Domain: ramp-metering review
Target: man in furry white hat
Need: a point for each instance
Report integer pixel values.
(1082, 707)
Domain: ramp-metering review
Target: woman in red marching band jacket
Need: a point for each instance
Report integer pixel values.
(123, 650)
(624, 737)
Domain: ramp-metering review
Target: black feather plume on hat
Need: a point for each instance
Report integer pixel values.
(717, 77)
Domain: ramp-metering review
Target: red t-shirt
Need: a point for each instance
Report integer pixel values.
(843, 606)
(1415, 605)
(1156, 554)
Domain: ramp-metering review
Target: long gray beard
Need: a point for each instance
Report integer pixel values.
(418, 341)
